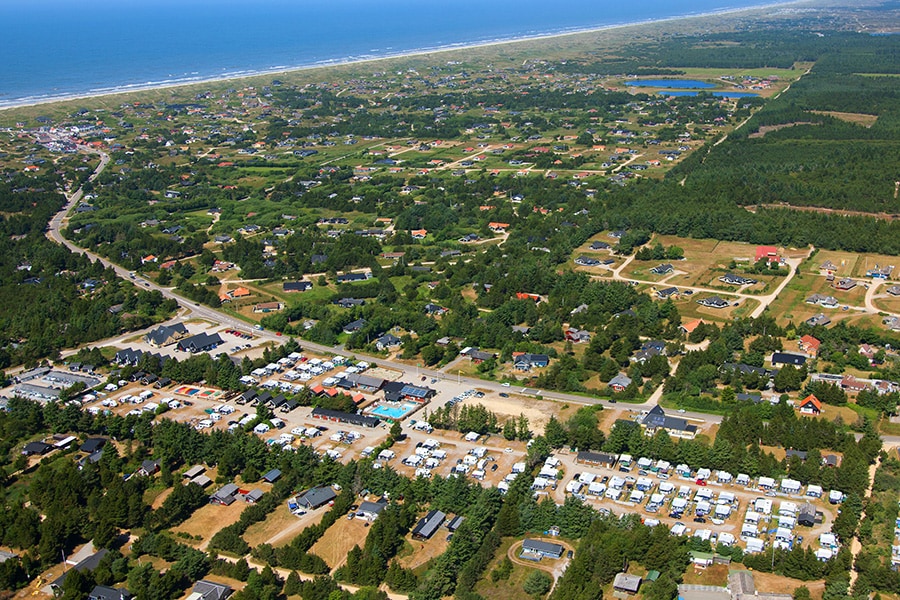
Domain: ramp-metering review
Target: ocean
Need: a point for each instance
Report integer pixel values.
(58, 48)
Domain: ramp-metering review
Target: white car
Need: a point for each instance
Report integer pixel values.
(504, 384)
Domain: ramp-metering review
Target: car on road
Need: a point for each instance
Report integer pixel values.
(701, 482)
(494, 467)
(502, 395)
(570, 554)
(699, 520)
(505, 384)
(681, 410)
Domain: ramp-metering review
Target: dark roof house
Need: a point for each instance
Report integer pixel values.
(428, 525)
(316, 497)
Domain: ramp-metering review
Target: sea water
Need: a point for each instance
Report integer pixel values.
(54, 48)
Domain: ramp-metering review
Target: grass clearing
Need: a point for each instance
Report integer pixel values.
(208, 520)
(278, 520)
(508, 589)
(424, 552)
(339, 539)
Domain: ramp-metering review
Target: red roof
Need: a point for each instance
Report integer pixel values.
(764, 251)
(810, 341)
(690, 326)
(812, 400)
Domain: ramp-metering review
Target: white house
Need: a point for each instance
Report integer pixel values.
(755, 545)
(596, 488)
(574, 486)
(763, 505)
(790, 486)
(787, 509)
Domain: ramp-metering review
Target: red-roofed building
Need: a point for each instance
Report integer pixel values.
(768, 252)
(690, 326)
(852, 384)
(810, 345)
(527, 296)
(498, 227)
(419, 234)
(810, 405)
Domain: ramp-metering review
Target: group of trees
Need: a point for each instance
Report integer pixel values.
(580, 431)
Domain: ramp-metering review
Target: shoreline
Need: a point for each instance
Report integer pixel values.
(351, 61)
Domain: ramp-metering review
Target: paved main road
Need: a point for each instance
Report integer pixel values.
(198, 310)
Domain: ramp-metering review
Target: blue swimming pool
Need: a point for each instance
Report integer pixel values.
(393, 411)
(675, 84)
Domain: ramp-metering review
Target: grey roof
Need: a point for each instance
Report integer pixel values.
(373, 508)
(626, 582)
(713, 301)
(317, 497)
(428, 524)
(88, 564)
(360, 380)
(296, 286)
(210, 590)
(91, 445)
(194, 471)
(599, 458)
(355, 325)
(201, 480)
(254, 495)
(200, 342)
(620, 379)
(388, 339)
(351, 418)
(227, 490)
(166, 334)
(532, 359)
(786, 358)
(36, 448)
(657, 418)
(541, 547)
(102, 592)
(272, 475)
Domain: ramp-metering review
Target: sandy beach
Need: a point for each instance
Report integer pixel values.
(448, 51)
